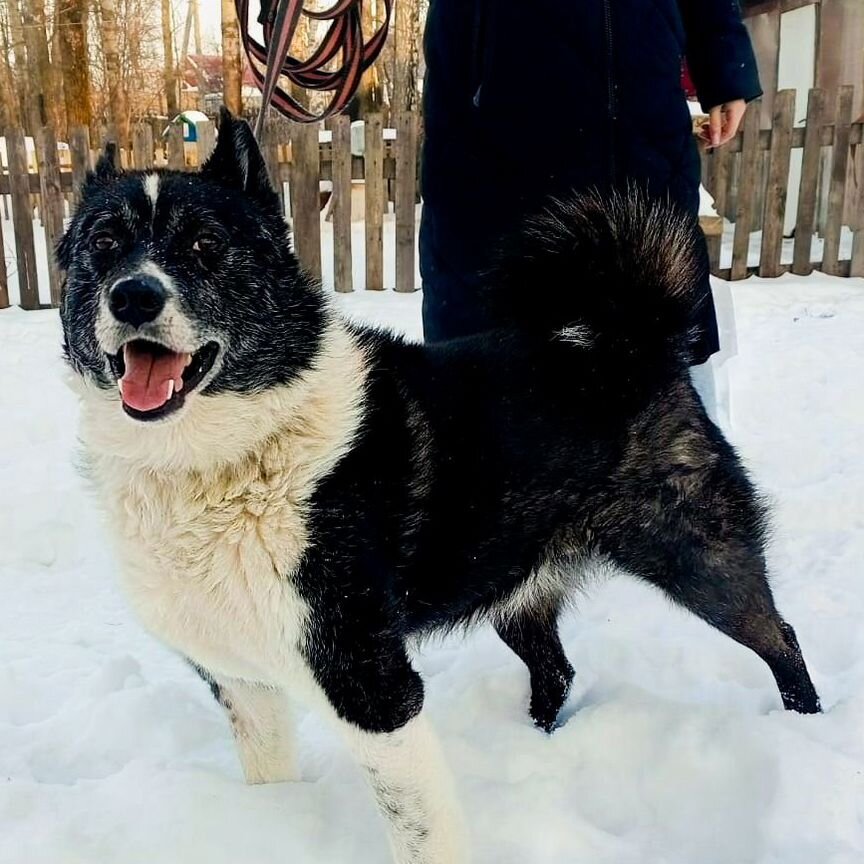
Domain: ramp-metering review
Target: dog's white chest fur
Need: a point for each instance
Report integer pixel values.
(208, 563)
(209, 514)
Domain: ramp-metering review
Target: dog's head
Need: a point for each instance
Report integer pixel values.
(182, 286)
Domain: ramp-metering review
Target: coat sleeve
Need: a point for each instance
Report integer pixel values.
(719, 52)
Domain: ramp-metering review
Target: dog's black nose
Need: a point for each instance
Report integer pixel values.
(137, 300)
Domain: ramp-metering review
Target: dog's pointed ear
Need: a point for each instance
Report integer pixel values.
(237, 162)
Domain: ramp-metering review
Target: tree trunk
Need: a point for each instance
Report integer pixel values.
(232, 63)
(38, 62)
(9, 107)
(19, 55)
(369, 94)
(117, 112)
(172, 103)
(72, 26)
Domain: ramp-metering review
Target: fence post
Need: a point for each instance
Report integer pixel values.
(406, 198)
(142, 147)
(176, 148)
(747, 179)
(857, 265)
(52, 203)
(373, 171)
(306, 197)
(273, 130)
(839, 177)
(804, 224)
(343, 276)
(79, 145)
(779, 161)
(4, 282)
(22, 219)
(718, 185)
(206, 133)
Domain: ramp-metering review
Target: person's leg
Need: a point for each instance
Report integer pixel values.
(452, 302)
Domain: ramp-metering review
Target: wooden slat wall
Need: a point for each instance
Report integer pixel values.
(763, 164)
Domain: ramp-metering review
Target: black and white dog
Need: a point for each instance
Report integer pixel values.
(294, 499)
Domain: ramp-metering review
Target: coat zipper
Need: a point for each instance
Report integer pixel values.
(612, 103)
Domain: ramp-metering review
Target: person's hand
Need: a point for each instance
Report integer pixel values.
(723, 123)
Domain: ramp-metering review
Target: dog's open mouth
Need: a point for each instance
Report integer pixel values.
(154, 381)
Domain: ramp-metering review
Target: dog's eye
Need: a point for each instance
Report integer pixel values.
(206, 243)
(104, 242)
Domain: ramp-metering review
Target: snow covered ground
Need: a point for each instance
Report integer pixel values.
(675, 750)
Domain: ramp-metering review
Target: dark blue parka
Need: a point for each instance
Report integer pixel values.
(527, 98)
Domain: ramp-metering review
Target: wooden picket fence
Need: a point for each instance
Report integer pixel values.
(298, 158)
(750, 182)
(749, 179)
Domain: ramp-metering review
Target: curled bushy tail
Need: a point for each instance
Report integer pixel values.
(617, 272)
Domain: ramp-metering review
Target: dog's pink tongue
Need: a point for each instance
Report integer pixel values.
(150, 379)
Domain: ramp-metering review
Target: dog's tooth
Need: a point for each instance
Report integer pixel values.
(178, 384)
(170, 388)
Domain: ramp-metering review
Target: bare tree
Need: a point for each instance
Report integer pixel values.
(172, 103)
(370, 94)
(19, 56)
(9, 104)
(72, 26)
(43, 92)
(232, 62)
(117, 112)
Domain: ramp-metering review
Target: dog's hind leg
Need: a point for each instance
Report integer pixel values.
(710, 560)
(262, 726)
(534, 638)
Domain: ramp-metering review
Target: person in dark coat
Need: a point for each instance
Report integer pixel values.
(527, 100)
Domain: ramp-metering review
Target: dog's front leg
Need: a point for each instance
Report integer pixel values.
(378, 697)
(262, 725)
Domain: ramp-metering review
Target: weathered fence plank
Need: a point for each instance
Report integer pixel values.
(206, 131)
(343, 277)
(176, 147)
(374, 173)
(305, 197)
(839, 178)
(274, 131)
(52, 203)
(4, 280)
(778, 184)
(79, 146)
(718, 186)
(406, 198)
(748, 177)
(807, 196)
(142, 147)
(22, 219)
